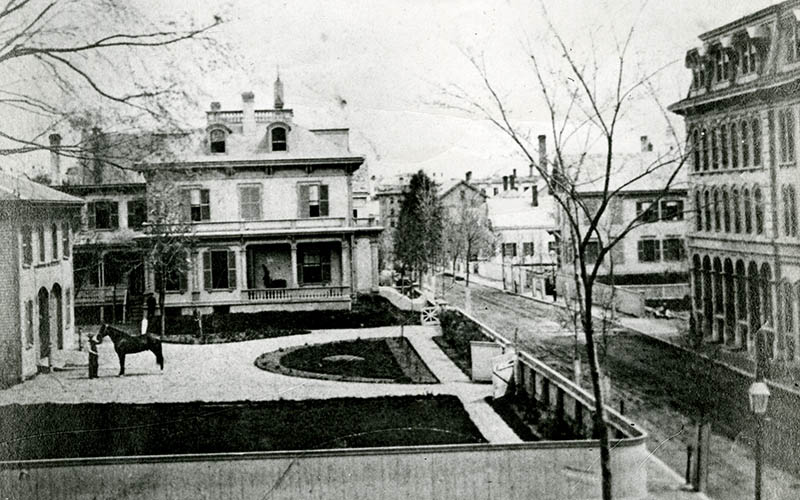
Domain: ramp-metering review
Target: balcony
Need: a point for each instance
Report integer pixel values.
(304, 294)
(282, 225)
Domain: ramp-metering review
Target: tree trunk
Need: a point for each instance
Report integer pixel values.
(162, 292)
(600, 428)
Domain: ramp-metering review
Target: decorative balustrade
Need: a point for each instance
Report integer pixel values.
(317, 293)
(241, 226)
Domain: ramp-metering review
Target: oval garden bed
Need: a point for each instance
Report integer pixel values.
(382, 360)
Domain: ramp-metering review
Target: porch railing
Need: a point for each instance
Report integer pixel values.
(314, 223)
(317, 293)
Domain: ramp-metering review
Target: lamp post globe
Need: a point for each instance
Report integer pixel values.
(758, 394)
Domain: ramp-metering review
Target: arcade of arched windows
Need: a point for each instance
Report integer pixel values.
(724, 146)
(733, 299)
(739, 209)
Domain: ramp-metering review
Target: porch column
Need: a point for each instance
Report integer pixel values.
(294, 264)
(241, 264)
(373, 247)
(345, 263)
(194, 280)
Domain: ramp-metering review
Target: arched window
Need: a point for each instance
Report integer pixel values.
(704, 137)
(217, 141)
(745, 141)
(707, 209)
(696, 149)
(789, 210)
(737, 212)
(787, 308)
(698, 211)
(723, 144)
(734, 147)
(278, 135)
(759, 202)
(766, 293)
(716, 211)
(714, 149)
(756, 142)
(726, 211)
(748, 211)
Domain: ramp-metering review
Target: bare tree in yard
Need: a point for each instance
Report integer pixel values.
(585, 105)
(61, 60)
(169, 235)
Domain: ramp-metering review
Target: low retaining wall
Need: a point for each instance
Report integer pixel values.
(400, 301)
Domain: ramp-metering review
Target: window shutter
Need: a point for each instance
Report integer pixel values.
(300, 262)
(231, 269)
(302, 203)
(640, 248)
(207, 269)
(618, 253)
(183, 275)
(90, 215)
(186, 200)
(325, 264)
(114, 207)
(323, 201)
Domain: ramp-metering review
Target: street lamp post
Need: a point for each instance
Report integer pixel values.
(758, 394)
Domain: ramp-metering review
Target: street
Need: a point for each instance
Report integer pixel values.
(649, 379)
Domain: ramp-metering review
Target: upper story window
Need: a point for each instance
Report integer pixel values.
(103, 215)
(137, 213)
(786, 134)
(65, 229)
(673, 249)
(54, 241)
(527, 248)
(278, 139)
(647, 211)
(42, 250)
(791, 39)
(748, 58)
(722, 65)
(217, 141)
(756, 129)
(198, 201)
(313, 200)
(592, 251)
(27, 245)
(509, 249)
(649, 250)
(250, 202)
(671, 210)
(219, 269)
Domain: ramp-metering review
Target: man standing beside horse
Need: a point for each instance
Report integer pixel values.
(129, 344)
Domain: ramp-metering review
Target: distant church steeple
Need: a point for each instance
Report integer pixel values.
(278, 92)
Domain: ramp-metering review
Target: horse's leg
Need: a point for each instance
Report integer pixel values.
(121, 356)
(156, 348)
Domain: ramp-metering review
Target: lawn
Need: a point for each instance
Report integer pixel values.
(94, 430)
(368, 311)
(390, 359)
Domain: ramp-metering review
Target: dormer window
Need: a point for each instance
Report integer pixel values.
(278, 139)
(217, 141)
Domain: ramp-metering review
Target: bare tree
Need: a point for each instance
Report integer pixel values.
(169, 234)
(585, 107)
(62, 60)
(467, 231)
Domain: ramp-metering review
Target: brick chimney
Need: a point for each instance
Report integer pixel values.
(55, 159)
(468, 176)
(542, 153)
(248, 113)
(505, 183)
(535, 195)
(512, 180)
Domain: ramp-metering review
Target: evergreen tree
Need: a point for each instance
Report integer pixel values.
(418, 236)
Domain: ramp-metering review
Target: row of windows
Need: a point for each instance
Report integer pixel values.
(732, 145)
(670, 249)
(218, 138)
(738, 210)
(313, 201)
(27, 243)
(219, 270)
(666, 210)
(510, 249)
(104, 214)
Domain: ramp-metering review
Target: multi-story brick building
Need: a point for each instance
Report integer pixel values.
(741, 115)
(270, 207)
(36, 287)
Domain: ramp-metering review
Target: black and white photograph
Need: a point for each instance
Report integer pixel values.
(399, 249)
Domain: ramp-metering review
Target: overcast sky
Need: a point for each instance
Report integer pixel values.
(379, 66)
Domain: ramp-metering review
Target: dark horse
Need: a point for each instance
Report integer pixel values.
(130, 344)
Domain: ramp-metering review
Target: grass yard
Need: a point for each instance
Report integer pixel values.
(95, 430)
(390, 359)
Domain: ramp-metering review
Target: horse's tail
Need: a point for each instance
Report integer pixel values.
(159, 355)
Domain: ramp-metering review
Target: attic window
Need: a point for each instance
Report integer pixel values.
(217, 141)
(278, 139)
